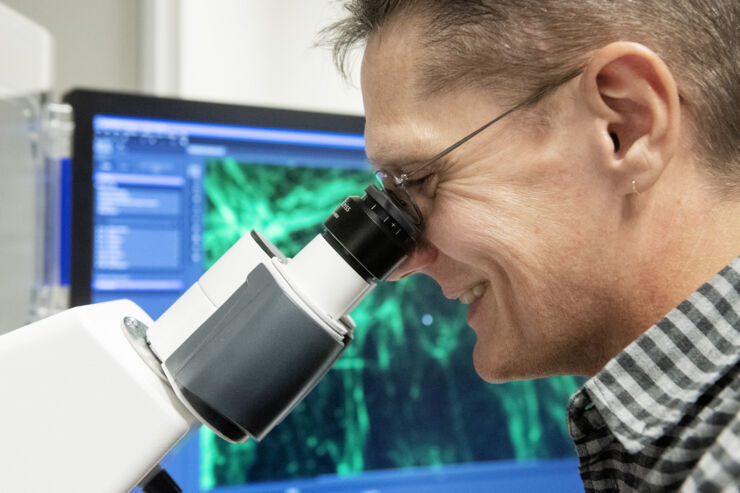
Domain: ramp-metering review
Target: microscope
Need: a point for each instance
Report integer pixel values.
(93, 398)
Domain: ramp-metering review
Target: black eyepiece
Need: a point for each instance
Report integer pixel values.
(372, 233)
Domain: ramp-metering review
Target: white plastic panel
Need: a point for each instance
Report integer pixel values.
(230, 271)
(26, 55)
(179, 321)
(212, 289)
(325, 280)
(81, 411)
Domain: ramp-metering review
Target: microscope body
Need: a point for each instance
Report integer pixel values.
(93, 398)
(81, 410)
(90, 403)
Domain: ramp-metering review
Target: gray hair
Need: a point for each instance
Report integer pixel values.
(524, 46)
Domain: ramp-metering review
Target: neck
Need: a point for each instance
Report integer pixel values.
(681, 233)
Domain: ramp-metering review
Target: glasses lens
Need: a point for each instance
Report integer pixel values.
(393, 186)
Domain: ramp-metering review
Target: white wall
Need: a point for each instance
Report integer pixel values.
(262, 53)
(96, 41)
(257, 52)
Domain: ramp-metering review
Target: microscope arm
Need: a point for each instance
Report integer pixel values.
(81, 410)
(94, 397)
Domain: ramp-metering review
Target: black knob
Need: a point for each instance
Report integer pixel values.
(373, 233)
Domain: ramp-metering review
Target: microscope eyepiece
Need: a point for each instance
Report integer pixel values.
(372, 233)
(280, 329)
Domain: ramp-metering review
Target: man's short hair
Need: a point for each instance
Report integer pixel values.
(522, 46)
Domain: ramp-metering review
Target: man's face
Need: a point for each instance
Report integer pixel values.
(517, 220)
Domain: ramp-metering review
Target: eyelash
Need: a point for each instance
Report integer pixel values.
(417, 181)
(417, 184)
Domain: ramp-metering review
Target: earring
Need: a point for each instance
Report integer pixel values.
(634, 188)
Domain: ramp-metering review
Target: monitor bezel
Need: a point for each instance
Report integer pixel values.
(87, 103)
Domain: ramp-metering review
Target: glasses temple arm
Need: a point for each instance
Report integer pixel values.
(530, 100)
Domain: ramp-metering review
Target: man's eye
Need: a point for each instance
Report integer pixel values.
(424, 186)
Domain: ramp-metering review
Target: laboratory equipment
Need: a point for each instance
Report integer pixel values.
(105, 387)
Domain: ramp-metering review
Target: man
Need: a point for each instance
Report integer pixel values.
(579, 226)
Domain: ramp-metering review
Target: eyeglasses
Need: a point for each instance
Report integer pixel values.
(397, 186)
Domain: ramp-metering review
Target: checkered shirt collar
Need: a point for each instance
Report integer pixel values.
(645, 390)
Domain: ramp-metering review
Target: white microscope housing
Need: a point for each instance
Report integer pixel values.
(96, 396)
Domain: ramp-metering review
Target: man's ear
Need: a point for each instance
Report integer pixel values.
(629, 88)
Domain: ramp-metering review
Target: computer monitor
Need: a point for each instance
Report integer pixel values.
(162, 187)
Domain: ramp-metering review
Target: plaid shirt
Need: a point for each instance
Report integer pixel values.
(664, 414)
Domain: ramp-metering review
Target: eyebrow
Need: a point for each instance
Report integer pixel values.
(385, 160)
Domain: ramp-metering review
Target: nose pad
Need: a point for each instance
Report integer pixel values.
(423, 256)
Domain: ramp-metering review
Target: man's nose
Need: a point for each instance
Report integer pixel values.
(417, 262)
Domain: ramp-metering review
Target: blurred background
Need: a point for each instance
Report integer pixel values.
(241, 51)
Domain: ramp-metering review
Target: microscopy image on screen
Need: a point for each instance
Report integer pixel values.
(405, 393)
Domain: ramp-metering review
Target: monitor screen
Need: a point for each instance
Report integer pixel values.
(403, 408)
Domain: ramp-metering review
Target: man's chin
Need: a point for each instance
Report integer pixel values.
(496, 367)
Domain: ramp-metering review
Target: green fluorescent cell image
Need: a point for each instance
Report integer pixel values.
(405, 393)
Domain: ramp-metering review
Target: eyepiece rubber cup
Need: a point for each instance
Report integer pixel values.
(373, 234)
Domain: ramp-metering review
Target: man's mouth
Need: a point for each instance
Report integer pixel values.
(472, 294)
